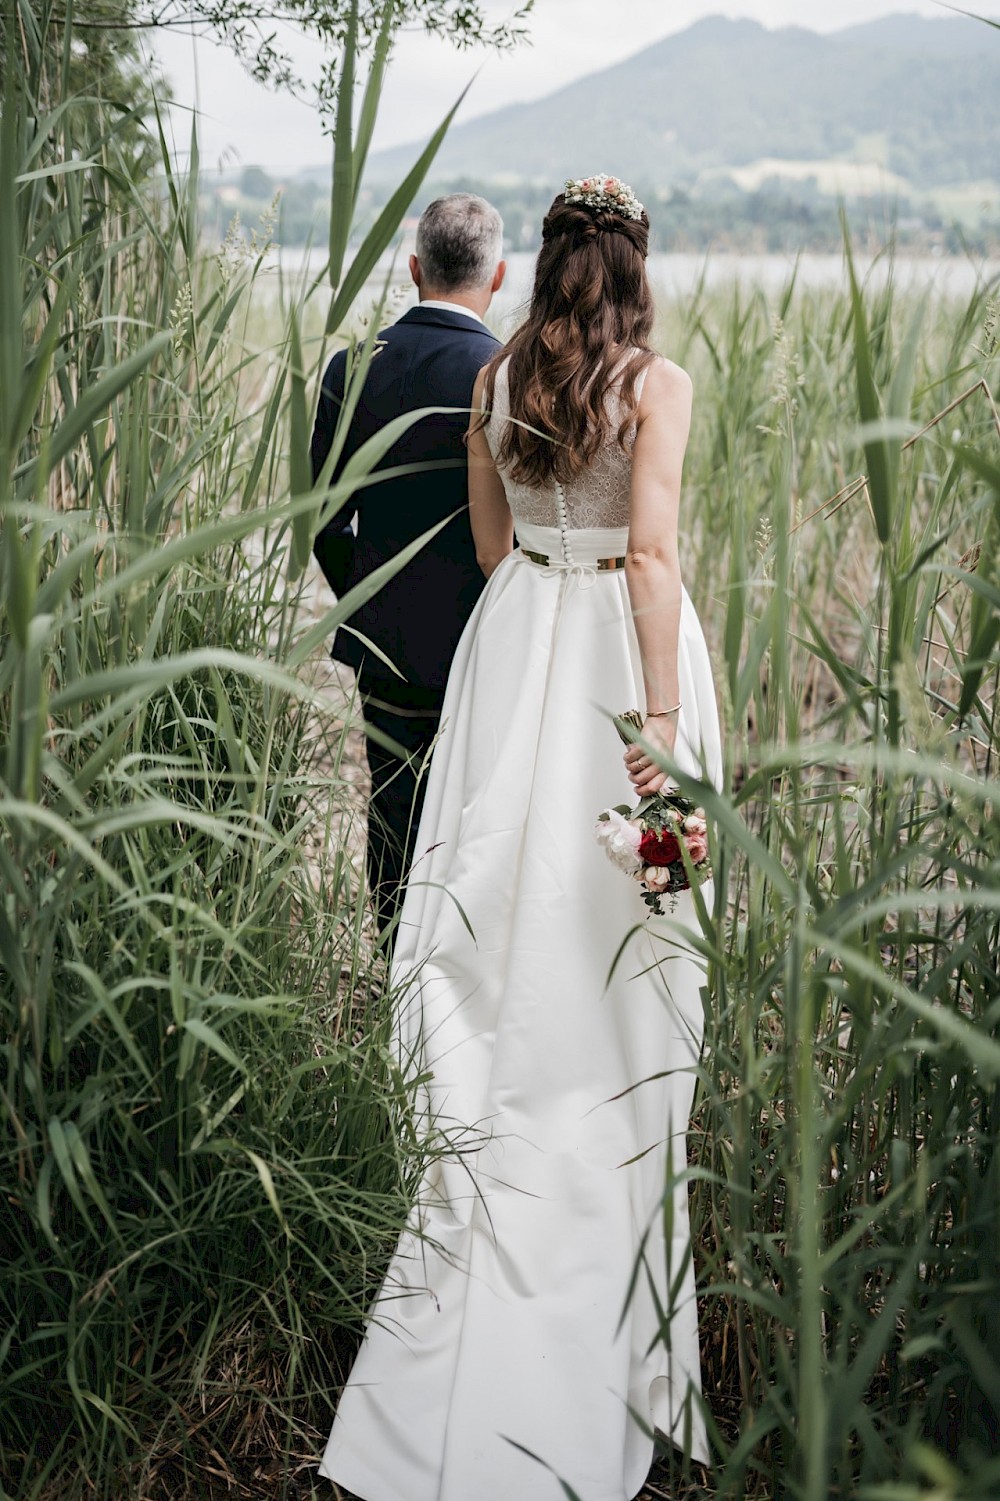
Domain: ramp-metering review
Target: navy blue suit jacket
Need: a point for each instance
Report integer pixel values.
(431, 357)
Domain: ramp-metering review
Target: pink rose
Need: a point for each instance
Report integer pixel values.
(694, 824)
(697, 844)
(656, 878)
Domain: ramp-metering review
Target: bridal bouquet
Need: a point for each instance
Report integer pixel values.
(646, 841)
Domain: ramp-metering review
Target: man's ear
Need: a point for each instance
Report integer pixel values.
(415, 272)
(498, 277)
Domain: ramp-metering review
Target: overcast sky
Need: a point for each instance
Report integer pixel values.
(243, 123)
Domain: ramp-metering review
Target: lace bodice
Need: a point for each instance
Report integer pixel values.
(599, 497)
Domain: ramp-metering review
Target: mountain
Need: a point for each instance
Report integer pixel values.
(917, 96)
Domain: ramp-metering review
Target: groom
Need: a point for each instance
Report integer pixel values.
(431, 357)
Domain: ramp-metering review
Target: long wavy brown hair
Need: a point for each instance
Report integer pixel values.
(591, 305)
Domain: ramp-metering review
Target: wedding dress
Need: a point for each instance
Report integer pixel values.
(544, 1285)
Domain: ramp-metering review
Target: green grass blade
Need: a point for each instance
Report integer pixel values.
(300, 468)
(344, 172)
(869, 407)
(386, 225)
(373, 93)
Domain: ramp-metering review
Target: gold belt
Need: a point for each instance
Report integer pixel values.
(602, 565)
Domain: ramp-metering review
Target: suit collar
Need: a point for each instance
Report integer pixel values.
(445, 305)
(445, 318)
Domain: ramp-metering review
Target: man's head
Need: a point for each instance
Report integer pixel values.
(459, 249)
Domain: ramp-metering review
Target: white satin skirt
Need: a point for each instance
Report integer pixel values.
(539, 1310)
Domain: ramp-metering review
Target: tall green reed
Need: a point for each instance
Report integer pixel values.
(845, 1181)
(201, 1111)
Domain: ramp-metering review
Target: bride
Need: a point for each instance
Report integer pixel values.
(538, 1319)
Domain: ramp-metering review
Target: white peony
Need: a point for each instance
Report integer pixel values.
(620, 839)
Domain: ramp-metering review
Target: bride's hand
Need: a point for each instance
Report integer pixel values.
(644, 774)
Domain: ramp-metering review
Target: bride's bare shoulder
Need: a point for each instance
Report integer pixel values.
(665, 384)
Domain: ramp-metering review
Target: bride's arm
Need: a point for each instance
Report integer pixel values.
(652, 564)
(489, 513)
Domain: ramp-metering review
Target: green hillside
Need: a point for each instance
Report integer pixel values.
(918, 96)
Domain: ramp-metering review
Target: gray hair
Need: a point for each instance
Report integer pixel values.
(459, 242)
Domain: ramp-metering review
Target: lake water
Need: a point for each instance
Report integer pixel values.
(678, 275)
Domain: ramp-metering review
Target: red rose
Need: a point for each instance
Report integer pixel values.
(659, 847)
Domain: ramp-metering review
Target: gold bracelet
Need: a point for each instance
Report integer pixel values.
(662, 713)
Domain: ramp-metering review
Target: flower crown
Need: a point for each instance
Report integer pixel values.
(603, 192)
